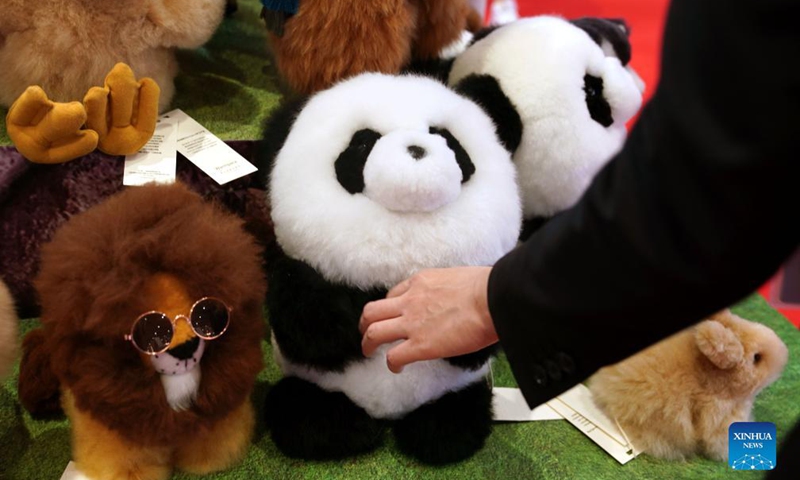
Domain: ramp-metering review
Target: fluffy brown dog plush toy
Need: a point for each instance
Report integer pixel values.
(678, 397)
(324, 41)
(151, 335)
(8, 331)
(66, 47)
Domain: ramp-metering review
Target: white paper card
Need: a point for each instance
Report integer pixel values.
(577, 407)
(211, 155)
(509, 406)
(157, 160)
(72, 473)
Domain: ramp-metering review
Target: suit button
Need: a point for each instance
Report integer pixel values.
(539, 375)
(553, 370)
(566, 362)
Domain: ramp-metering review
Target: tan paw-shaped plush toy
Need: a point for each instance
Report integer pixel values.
(118, 118)
(123, 112)
(48, 132)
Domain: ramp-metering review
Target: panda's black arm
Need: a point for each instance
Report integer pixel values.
(474, 360)
(314, 321)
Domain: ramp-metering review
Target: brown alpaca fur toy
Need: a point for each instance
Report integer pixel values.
(151, 248)
(68, 46)
(678, 397)
(8, 331)
(325, 41)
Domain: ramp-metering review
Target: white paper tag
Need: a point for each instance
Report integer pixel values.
(577, 407)
(72, 473)
(157, 160)
(211, 155)
(509, 406)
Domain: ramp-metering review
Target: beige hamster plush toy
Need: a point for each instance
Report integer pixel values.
(66, 47)
(9, 340)
(678, 397)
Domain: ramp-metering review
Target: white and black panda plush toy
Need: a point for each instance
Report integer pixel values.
(370, 181)
(560, 93)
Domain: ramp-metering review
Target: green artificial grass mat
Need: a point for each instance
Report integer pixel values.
(39, 449)
(229, 85)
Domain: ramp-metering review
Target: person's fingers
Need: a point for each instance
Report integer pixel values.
(379, 310)
(399, 289)
(382, 332)
(29, 108)
(64, 121)
(96, 103)
(402, 354)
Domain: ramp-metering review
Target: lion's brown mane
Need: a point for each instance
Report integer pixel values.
(91, 275)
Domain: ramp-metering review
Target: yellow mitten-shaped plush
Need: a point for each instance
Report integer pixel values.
(123, 112)
(48, 132)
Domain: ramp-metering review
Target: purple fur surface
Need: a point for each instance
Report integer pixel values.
(37, 199)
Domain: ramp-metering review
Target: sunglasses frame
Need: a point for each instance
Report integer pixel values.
(187, 319)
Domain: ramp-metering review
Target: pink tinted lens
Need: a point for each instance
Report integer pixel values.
(152, 333)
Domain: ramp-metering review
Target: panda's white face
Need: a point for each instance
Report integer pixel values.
(573, 100)
(381, 176)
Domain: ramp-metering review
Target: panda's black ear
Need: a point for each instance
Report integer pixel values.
(435, 68)
(613, 30)
(481, 34)
(276, 130)
(486, 92)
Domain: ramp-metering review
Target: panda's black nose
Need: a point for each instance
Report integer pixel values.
(416, 152)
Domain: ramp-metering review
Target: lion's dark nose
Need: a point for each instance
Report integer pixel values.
(185, 350)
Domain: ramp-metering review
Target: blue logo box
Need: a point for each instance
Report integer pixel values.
(752, 446)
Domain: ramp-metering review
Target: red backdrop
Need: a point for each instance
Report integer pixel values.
(646, 18)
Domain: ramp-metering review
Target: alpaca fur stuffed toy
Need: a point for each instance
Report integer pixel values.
(66, 47)
(678, 397)
(373, 180)
(152, 269)
(326, 41)
(8, 331)
(560, 93)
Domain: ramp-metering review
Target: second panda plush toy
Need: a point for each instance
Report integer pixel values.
(560, 92)
(371, 181)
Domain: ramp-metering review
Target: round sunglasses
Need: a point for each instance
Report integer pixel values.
(152, 331)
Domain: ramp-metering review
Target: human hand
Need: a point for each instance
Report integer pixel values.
(439, 313)
(123, 112)
(48, 132)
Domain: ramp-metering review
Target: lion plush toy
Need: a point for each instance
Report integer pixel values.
(66, 47)
(151, 335)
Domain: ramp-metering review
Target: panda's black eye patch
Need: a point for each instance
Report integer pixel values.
(599, 108)
(350, 163)
(462, 157)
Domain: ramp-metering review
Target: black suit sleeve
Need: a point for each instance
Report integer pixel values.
(698, 209)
